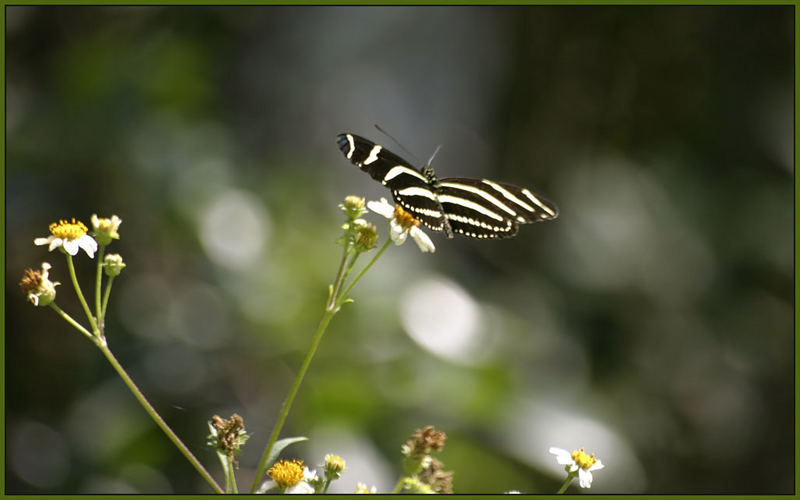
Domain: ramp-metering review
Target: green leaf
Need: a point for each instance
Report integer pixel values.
(280, 445)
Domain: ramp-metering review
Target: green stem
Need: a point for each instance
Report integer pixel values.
(330, 309)
(97, 288)
(327, 484)
(74, 323)
(105, 297)
(366, 268)
(230, 487)
(77, 287)
(337, 284)
(564, 486)
(157, 418)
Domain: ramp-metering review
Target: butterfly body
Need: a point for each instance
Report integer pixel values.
(477, 208)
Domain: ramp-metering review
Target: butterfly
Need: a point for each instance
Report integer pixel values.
(477, 208)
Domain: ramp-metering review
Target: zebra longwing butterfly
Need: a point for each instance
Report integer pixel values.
(478, 208)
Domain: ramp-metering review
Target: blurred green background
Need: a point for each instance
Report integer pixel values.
(652, 323)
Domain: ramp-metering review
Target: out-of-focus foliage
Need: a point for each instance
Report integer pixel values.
(651, 323)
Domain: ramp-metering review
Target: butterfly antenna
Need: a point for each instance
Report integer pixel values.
(434, 155)
(387, 134)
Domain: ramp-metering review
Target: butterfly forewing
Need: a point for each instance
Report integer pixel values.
(478, 208)
(408, 185)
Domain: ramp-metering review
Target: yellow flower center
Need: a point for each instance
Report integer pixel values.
(583, 460)
(405, 219)
(286, 473)
(68, 230)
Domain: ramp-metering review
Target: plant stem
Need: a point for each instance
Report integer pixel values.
(97, 288)
(157, 418)
(231, 487)
(330, 309)
(77, 287)
(564, 486)
(105, 297)
(287, 405)
(366, 268)
(74, 323)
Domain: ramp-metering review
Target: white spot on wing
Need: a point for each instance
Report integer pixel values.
(483, 194)
(536, 200)
(352, 146)
(400, 170)
(373, 155)
(417, 191)
(455, 200)
(509, 195)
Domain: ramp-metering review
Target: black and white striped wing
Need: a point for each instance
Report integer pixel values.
(410, 188)
(481, 208)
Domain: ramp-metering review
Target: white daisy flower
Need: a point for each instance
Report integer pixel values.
(579, 461)
(402, 224)
(71, 236)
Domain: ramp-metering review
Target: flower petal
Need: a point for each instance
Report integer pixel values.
(585, 478)
(562, 456)
(382, 207)
(301, 488)
(266, 486)
(597, 466)
(71, 246)
(423, 240)
(397, 232)
(88, 244)
(43, 241)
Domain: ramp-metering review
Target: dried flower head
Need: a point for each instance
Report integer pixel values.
(228, 436)
(424, 441)
(38, 287)
(439, 480)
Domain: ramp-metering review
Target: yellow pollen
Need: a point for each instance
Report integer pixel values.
(286, 473)
(583, 460)
(405, 219)
(68, 230)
